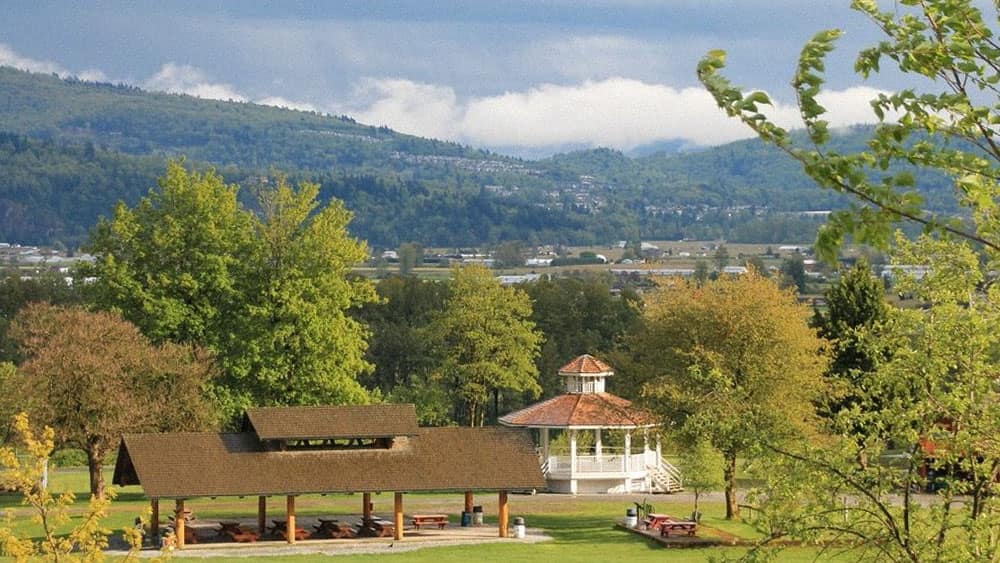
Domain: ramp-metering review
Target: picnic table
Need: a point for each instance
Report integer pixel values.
(332, 528)
(376, 528)
(688, 527)
(280, 529)
(653, 521)
(440, 520)
(226, 528)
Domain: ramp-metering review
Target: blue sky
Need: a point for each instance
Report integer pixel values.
(524, 77)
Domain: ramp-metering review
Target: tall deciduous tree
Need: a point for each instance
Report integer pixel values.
(488, 340)
(293, 341)
(93, 377)
(269, 294)
(732, 362)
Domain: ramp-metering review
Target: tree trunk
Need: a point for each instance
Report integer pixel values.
(729, 473)
(95, 462)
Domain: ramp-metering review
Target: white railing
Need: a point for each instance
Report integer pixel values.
(589, 464)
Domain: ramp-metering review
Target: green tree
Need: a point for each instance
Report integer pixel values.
(293, 341)
(411, 255)
(793, 273)
(721, 258)
(701, 466)
(93, 377)
(701, 273)
(509, 254)
(489, 341)
(168, 264)
(732, 362)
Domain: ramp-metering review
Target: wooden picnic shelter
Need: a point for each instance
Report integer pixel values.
(294, 451)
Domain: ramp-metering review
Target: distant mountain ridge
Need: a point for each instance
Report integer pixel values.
(69, 150)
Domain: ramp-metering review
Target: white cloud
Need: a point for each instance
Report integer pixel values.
(9, 57)
(618, 112)
(186, 79)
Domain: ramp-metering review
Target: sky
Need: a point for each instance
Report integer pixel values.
(522, 77)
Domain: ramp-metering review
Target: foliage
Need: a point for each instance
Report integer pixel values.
(732, 362)
(949, 133)
(935, 406)
(16, 291)
(411, 255)
(292, 341)
(488, 339)
(700, 464)
(85, 541)
(268, 295)
(793, 273)
(93, 377)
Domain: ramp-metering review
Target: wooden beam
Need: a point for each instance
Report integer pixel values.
(262, 514)
(290, 518)
(398, 520)
(468, 502)
(504, 514)
(154, 519)
(179, 523)
(366, 509)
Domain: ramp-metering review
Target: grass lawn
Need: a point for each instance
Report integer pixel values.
(581, 527)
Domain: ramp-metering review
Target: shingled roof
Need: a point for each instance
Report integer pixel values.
(592, 410)
(331, 422)
(188, 465)
(586, 365)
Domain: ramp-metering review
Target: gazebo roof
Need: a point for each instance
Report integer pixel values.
(576, 410)
(586, 365)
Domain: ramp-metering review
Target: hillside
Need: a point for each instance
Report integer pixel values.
(70, 150)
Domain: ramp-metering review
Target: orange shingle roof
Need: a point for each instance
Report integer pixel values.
(583, 409)
(585, 365)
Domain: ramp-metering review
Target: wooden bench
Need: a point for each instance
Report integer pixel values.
(688, 527)
(376, 528)
(333, 529)
(243, 536)
(441, 520)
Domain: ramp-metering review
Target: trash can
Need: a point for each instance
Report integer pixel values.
(466, 519)
(519, 529)
(477, 515)
(631, 518)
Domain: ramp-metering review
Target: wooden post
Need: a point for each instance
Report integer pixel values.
(503, 513)
(468, 502)
(398, 520)
(290, 518)
(366, 510)
(262, 514)
(179, 523)
(154, 521)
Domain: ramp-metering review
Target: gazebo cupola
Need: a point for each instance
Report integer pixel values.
(585, 374)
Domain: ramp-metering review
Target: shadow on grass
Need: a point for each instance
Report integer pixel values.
(574, 529)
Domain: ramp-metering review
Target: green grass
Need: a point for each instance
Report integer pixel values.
(581, 527)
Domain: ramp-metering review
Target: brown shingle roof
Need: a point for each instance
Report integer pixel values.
(332, 422)
(186, 465)
(580, 409)
(585, 365)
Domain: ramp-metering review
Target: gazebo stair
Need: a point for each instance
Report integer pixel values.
(665, 478)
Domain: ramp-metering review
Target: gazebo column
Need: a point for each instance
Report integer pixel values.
(366, 509)
(628, 461)
(572, 462)
(262, 514)
(397, 532)
(659, 451)
(503, 513)
(290, 518)
(544, 439)
(597, 443)
(154, 520)
(179, 523)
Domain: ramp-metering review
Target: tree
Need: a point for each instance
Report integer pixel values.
(701, 273)
(94, 376)
(488, 340)
(793, 273)
(732, 363)
(411, 255)
(700, 464)
(86, 540)
(267, 294)
(721, 258)
(168, 265)
(509, 255)
(949, 131)
(293, 341)
(855, 312)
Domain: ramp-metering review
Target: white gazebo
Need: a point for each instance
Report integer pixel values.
(587, 407)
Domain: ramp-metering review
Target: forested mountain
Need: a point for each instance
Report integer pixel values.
(69, 150)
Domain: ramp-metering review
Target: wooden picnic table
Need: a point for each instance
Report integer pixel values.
(440, 520)
(653, 521)
(688, 527)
